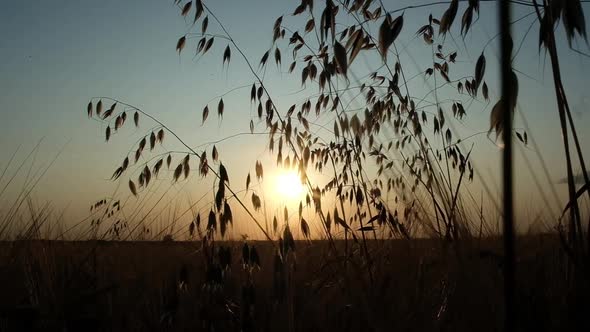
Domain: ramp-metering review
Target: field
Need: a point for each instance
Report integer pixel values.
(413, 286)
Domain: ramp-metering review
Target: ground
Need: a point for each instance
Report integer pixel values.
(418, 285)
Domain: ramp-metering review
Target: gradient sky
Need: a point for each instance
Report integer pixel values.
(56, 55)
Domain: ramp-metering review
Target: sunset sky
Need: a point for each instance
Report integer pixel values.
(56, 55)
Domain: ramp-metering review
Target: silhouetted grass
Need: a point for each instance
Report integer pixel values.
(417, 286)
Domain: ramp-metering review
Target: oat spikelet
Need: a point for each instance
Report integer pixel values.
(259, 170)
(160, 137)
(147, 174)
(227, 55)
(142, 144)
(199, 9)
(204, 25)
(214, 153)
(256, 202)
(220, 108)
(186, 8)
(137, 155)
(99, 108)
(158, 166)
(180, 44)
(340, 55)
(205, 113)
(448, 17)
(132, 188)
(186, 166)
(304, 228)
(118, 122)
(168, 161)
(125, 163)
(209, 44)
(152, 141)
(117, 173)
(264, 59)
(278, 56)
(177, 172)
(480, 69)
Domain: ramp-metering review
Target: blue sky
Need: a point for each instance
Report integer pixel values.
(56, 55)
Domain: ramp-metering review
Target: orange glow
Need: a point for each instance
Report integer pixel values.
(288, 185)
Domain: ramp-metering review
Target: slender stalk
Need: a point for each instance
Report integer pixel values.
(582, 165)
(507, 163)
(575, 229)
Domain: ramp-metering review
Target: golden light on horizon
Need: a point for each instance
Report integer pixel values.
(288, 185)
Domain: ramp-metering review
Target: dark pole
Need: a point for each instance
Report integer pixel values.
(507, 97)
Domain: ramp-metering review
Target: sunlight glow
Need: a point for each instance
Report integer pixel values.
(288, 185)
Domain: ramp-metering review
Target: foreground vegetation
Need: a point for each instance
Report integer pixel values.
(415, 286)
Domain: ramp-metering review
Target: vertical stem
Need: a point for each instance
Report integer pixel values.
(290, 299)
(508, 222)
(575, 229)
(582, 164)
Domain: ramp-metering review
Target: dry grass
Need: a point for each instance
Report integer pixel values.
(417, 286)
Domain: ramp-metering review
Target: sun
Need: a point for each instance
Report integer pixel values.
(288, 185)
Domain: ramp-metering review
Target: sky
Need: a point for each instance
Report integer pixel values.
(57, 55)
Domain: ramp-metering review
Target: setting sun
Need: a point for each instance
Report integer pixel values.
(288, 185)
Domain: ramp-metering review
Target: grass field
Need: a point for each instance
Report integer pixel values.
(179, 286)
